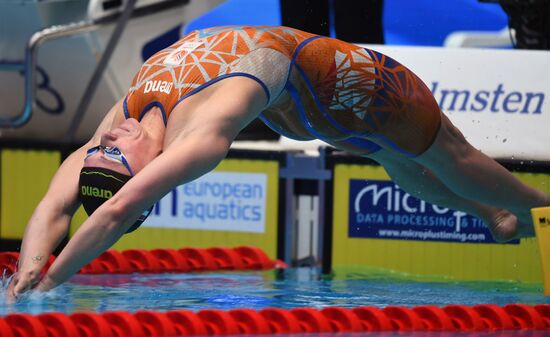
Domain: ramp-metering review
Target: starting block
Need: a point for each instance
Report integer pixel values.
(541, 221)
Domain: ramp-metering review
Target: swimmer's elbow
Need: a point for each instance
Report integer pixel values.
(117, 212)
(218, 149)
(220, 146)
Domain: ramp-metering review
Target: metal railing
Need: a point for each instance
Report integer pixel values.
(29, 67)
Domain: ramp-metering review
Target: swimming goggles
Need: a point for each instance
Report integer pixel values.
(113, 153)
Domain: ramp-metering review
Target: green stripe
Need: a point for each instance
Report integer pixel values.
(103, 174)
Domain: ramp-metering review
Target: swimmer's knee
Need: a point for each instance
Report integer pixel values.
(453, 132)
(450, 147)
(381, 156)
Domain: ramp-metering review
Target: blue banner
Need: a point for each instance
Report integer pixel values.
(381, 209)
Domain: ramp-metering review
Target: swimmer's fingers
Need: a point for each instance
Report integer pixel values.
(21, 284)
(10, 292)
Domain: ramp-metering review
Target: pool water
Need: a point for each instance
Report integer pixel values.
(290, 288)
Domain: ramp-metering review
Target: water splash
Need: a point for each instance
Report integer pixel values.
(291, 288)
(5, 281)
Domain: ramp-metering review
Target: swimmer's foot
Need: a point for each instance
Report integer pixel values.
(504, 226)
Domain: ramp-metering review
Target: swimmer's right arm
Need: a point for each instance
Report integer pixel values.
(48, 224)
(50, 221)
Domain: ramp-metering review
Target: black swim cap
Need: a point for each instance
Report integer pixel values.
(97, 185)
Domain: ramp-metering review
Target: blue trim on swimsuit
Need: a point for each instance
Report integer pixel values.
(287, 81)
(125, 107)
(300, 47)
(394, 146)
(389, 63)
(144, 110)
(295, 95)
(364, 144)
(149, 106)
(320, 106)
(219, 78)
(276, 129)
(194, 91)
(293, 58)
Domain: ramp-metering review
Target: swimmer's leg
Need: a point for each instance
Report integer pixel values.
(474, 176)
(420, 182)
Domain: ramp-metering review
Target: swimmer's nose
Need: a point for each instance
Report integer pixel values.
(107, 138)
(129, 124)
(132, 121)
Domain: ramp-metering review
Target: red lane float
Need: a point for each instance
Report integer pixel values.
(156, 323)
(218, 323)
(24, 325)
(524, 316)
(58, 325)
(8, 262)
(5, 329)
(171, 260)
(434, 318)
(280, 320)
(311, 320)
(254, 257)
(142, 261)
(250, 321)
(404, 319)
(165, 260)
(90, 324)
(544, 312)
(464, 318)
(212, 322)
(373, 319)
(124, 324)
(494, 317)
(187, 323)
(198, 259)
(342, 320)
(226, 258)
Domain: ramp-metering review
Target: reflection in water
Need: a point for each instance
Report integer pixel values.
(284, 289)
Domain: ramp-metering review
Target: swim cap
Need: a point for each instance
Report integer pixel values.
(97, 185)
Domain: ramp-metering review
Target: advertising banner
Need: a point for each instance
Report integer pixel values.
(223, 201)
(380, 209)
(375, 223)
(497, 98)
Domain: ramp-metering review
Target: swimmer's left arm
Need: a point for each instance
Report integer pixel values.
(111, 220)
(196, 151)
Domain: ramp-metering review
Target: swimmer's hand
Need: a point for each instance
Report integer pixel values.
(47, 283)
(21, 283)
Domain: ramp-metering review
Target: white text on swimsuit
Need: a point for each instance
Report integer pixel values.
(162, 86)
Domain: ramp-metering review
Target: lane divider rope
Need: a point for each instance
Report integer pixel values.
(165, 260)
(486, 317)
(211, 322)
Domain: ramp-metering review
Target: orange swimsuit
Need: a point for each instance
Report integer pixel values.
(323, 87)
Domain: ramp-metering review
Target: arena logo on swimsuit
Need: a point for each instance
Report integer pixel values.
(96, 192)
(162, 86)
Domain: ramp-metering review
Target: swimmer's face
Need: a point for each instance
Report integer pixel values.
(133, 141)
